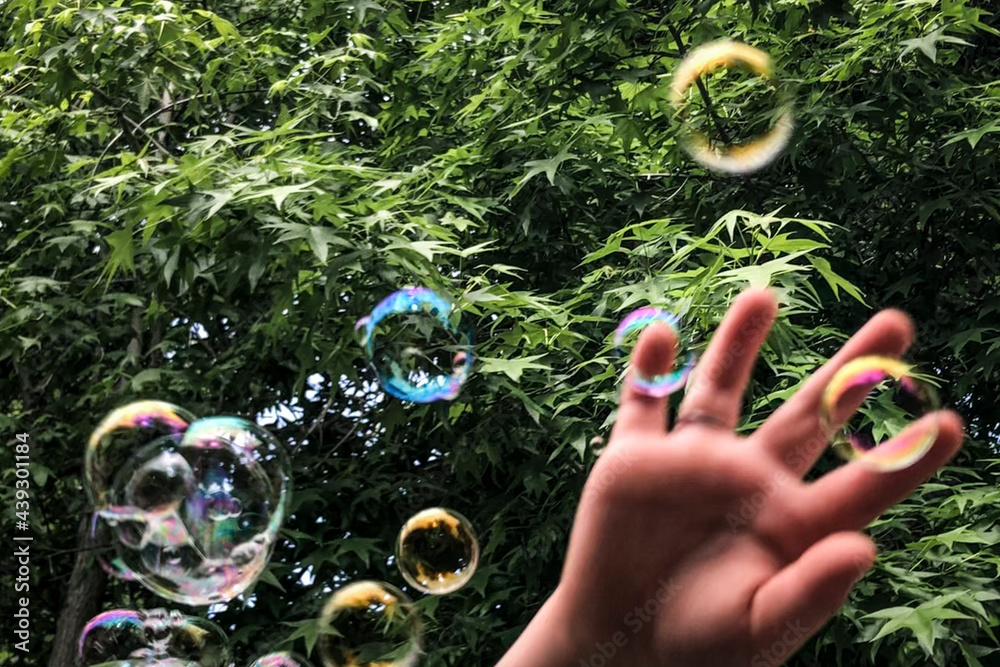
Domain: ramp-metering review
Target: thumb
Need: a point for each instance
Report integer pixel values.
(800, 599)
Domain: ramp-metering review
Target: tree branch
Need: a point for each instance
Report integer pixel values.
(83, 600)
(701, 87)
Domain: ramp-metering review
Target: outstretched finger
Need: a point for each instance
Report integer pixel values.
(794, 433)
(653, 355)
(851, 497)
(715, 391)
(797, 602)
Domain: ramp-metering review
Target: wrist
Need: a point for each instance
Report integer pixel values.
(548, 641)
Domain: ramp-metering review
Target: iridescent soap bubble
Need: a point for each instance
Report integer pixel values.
(121, 433)
(165, 480)
(369, 624)
(102, 536)
(417, 345)
(198, 519)
(147, 495)
(628, 330)
(727, 155)
(280, 659)
(437, 551)
(153, 638)
(868, 410)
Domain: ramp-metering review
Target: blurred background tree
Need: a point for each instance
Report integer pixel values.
(198, 200)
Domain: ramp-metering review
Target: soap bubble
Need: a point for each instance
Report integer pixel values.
(369, 624)
(164, 480)
(154, 638)
(280, 659)
(437, 551)
(198, 519)
(121, 433)
(879, 434)
(628, 330)
(102, 536)
(732, 108)
(417, 345)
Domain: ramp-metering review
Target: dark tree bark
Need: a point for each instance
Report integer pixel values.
(82, 602)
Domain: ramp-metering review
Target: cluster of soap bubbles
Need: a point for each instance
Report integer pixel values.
(192, 507)
(280, 659)
(374, 623)
(871, 408)
(153, 638)
(162, 638)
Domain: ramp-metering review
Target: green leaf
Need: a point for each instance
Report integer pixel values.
(281, 193)
(920, 621)
(835, 281)
(974, 136)
(512, 368)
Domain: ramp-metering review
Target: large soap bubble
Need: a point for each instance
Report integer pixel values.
(417, 345)
(369, 624)
(869, 408)
(196, 520)
(154, 638)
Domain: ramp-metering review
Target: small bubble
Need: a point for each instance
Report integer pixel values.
(417, 345)
(121, 434)
(152, 638)
(163, 481)
(280, 659)
(628, 332)
(369, 624)
(868, 411)
(437, 551)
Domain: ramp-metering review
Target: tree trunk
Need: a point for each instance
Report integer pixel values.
(82, 602)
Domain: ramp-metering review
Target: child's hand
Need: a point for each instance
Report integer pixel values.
(693, 546)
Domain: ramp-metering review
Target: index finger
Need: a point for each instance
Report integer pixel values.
(653, 355)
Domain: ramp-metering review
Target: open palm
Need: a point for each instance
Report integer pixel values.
(695, 546)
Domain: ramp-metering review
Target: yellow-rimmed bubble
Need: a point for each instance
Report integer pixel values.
(369, 624)
(437, 551)
(725, 154)
(868, 411)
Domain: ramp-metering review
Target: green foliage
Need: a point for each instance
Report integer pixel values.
(197, 203)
